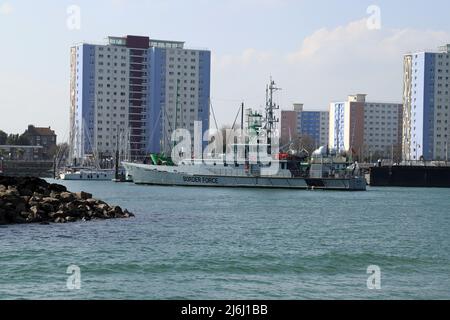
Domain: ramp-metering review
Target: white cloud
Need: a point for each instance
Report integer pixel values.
(329, 65)
(356, 40)
(6, 8)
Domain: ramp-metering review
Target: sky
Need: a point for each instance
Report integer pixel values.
(317, 51)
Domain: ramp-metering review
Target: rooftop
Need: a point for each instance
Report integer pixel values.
(362, 98)
(40, 131)
(441, 49)
(144, 42)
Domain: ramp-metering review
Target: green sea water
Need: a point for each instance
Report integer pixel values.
(197, 243)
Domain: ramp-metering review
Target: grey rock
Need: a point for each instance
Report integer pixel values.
(83, 195)
(12, 191)
(26, 192)
(55, 195)
(50, 200)
(67, 196)
(102, 207)
(33, 200)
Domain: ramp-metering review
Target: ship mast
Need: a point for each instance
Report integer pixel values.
(271, 120)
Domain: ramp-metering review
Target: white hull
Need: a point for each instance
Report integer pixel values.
(169, 176)
(88, 176)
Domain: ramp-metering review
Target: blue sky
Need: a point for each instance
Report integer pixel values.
(318, 51)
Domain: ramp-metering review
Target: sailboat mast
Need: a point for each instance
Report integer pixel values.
(242, 117)
(116, 166)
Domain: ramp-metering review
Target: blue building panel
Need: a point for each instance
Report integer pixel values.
(310, 125)
(423, 104)
(155, 108)
(428, 106)
(339, 127)
(85, 96)
(204, 91)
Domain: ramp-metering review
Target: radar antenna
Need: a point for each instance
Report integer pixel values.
(271, 120)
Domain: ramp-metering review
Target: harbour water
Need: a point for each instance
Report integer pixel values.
(197, 243)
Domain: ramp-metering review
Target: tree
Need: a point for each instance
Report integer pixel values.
(3, 154)
(20, 153)
(23, 141)
(3, 137)
(17, 140)
(12, 139)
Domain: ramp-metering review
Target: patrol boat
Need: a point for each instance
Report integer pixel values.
(325, 171)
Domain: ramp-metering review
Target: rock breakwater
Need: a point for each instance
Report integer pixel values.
(34, 200)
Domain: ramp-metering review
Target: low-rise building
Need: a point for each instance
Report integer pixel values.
(26, 153)
(42, 137)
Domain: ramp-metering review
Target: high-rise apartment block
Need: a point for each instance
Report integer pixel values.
(300, 123)
(366, 129)
(314, 124)
(426, 97)
(136, 91)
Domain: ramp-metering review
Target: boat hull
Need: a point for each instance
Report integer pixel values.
(87, 176)
(150, 175)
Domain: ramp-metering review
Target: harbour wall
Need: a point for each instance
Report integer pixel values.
(41, 169)
(410, 176)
